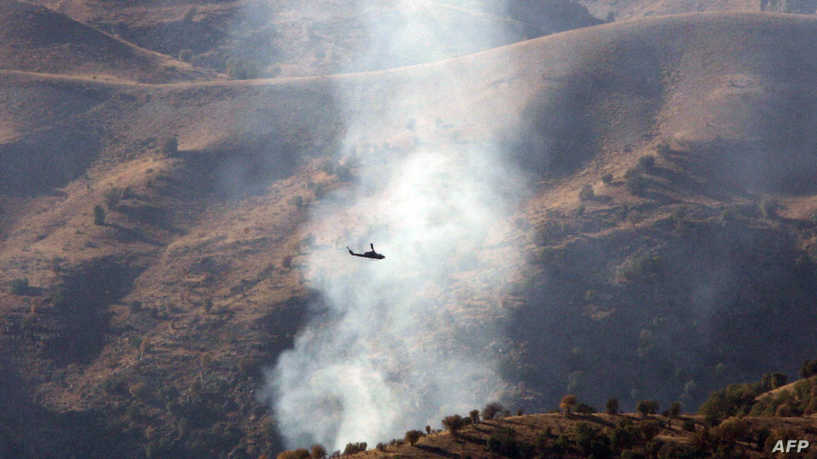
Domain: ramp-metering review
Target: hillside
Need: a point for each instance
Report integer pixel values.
(602, 435)
(156, 326)
(39, 40)
(319, 37)
(634, 9)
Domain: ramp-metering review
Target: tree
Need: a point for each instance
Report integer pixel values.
(453, 423)
(352, 448)
(412, 436)
(809, 368)
(612, 406)
(99, 215)
(474, 415)
(567, 404)
(491, 410)
(675, 409)
(428, 430)
(646, 407)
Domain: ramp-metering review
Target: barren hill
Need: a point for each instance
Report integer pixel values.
(319, 37)
(154, 325)
(633, 9)
(37, 39)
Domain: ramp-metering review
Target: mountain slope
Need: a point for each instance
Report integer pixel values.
(39, 40)
(157, 324)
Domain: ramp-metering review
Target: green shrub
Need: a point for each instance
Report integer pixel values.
(607, 179)
(99, 215)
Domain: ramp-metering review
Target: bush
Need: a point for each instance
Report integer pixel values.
(112, 198)
(646, 163)
(649, 429)
(20, 286)
(453, 423)
(242, 69)
(624, 436)
(352, 448)
(503, 442)
(567, 403)
(586, 192)
(607, 179)
(491, 410)
(735, 399)
(591, 441)
(771, 381)
(584, 408)
(412, 436)
(675, 409)
(731, 430)
(99, 215)
(646, 407)
(612, 406)
(636, 184)
(689, 425)
(474, 415)
(809, 368)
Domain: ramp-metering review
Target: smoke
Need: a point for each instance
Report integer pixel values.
(404, 341)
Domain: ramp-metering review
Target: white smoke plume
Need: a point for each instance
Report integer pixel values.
(406, 340)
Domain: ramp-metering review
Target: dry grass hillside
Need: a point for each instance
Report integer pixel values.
(151, 325)
(37, 39)
(634, 9)
(318, 37)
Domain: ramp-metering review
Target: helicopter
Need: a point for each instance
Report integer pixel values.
(369, 254)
